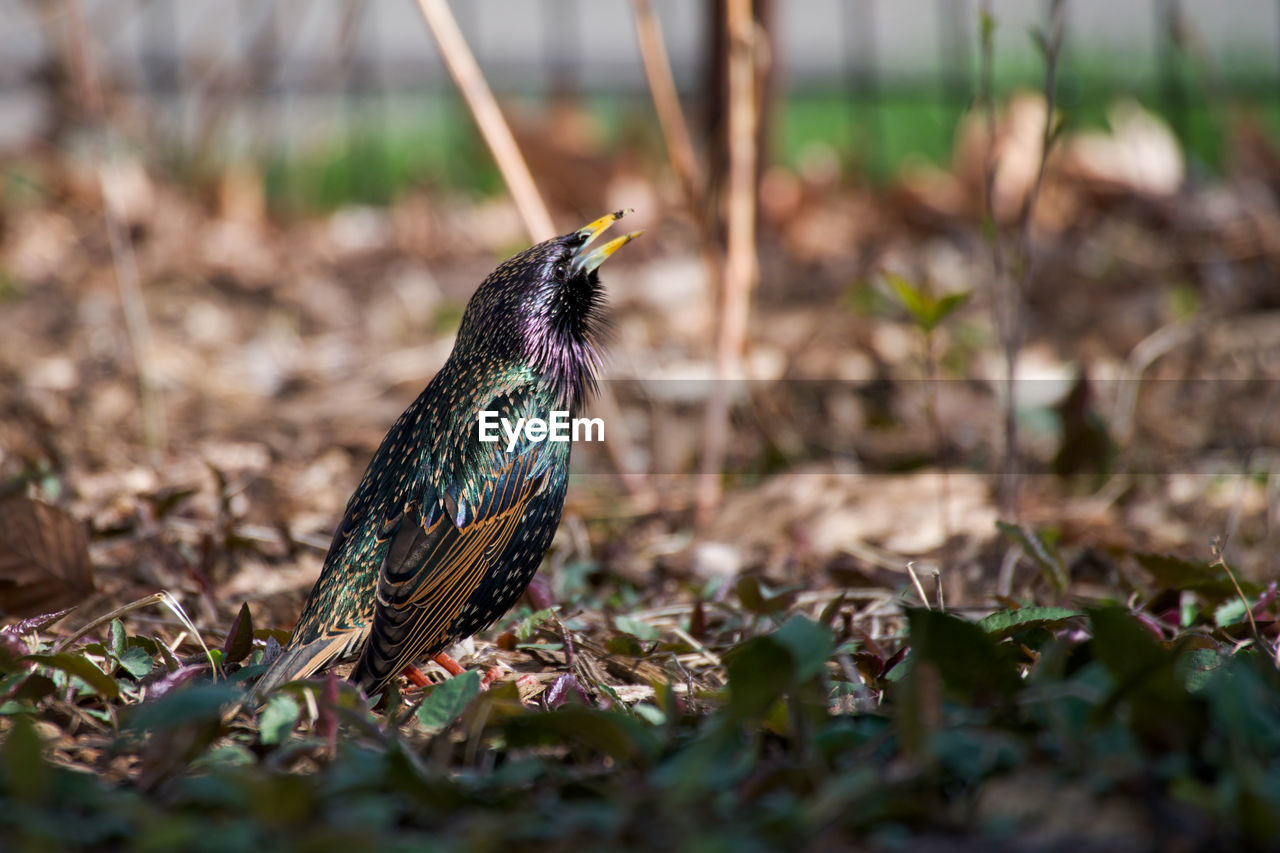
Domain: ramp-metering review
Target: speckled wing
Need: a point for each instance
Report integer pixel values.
(336, 619)
(453, 542)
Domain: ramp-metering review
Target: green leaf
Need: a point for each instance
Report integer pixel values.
(651, 714)
(136, 662)
(1229, 612)
(613, 733)
(760, 670)
(809, 644)
(31, 689)
(926, 310)
(764, 668)
(1175, 573)
(1124, 646)
(624, 644)
(81, 667)
(969, 661)
(1158, 704)
(1244, 700)
(951, 303)
(22, 756)
(749, 595)
(636, 628)
(1006, 623)
(829, 613)
(1196, 668)
(754, 600)
(540, 647)
(240, 638)
(171, 662)
(921, 306)
(278, 718)
(447, 701)
(116, 638)
(201, 703)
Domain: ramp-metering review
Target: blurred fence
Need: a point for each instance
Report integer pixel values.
(279, 74)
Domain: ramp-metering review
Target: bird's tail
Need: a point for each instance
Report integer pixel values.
(305, 659)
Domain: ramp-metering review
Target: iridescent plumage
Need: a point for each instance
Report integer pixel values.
(444, 532)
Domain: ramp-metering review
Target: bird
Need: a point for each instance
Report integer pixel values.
(445, 531)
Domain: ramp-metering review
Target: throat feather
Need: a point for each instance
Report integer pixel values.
(566, 359)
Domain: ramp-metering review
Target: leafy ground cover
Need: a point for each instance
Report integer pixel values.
(1142, 726)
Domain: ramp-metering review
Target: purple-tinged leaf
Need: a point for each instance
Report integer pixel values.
(239, 641)
(698, 621)
(1147, 621)
(272, 651)
(12, 647)
(1267, 598)
(540, 594)
(32, 624)
(565, 689)
(327, 723)
(182, 675)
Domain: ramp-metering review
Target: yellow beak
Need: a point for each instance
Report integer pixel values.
(585, 261)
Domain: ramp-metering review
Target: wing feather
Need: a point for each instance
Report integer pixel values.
(434, 564)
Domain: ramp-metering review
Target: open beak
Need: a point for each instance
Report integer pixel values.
(585, 261)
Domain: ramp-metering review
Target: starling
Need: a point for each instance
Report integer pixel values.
(445, 531)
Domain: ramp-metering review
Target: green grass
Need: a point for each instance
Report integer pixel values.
(422, 142)
(430, 141)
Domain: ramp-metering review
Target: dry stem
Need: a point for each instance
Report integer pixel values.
(497, 135)
(675, 134)
(741, 264)
(1008, 296)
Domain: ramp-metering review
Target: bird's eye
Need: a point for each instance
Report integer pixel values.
(562, 270)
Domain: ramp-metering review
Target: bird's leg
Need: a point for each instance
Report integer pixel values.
(455, 669)
(450, 665)
(419, 679)
(415, 676)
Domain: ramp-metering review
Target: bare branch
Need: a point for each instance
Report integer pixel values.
(497, 135)
(741, 268)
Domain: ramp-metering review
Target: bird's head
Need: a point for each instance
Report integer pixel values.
(543, 306)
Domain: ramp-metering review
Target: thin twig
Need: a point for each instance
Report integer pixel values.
(741, 264)
(1013, 343)
(666, 103)
(493, 127)
(706, 654)
(1008, 296)
(675, 134)
(915, 579)
(1219, 549)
